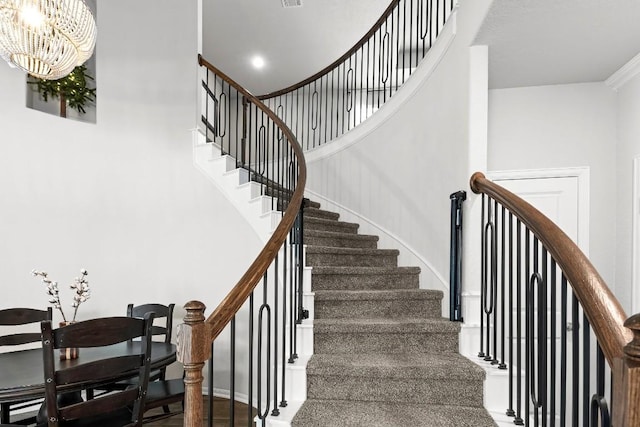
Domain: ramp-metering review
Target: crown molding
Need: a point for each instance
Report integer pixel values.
(624, 74)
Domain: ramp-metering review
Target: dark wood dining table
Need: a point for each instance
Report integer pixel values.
(22, 372)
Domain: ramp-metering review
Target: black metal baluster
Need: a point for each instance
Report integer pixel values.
(575, 362)
(502, 364)
(494, 282)
(510, 412)
(598, 401)
(542, 338)
(210, 387)
(302, 315)
(250, 368)
(232, 372)
(275, 411)
(285, 276)
(527, 322)
(262, 311)
(563, 351)
(483, 274)
(553, 355)
(586, 369)
(519, 285)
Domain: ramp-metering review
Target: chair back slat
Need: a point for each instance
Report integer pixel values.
(98, 406)
(23, 316)
(18, 339)
(100, 369)
(97, 333)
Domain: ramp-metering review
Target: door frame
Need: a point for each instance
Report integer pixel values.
(582, 175)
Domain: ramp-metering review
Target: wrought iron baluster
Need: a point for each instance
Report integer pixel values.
(510, 411)
(232, 373)
(518, 420)
(264, 312)
(564, 304)
(502, 364)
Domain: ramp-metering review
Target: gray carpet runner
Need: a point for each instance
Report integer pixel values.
(383, 354)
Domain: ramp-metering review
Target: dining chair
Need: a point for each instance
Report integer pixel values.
(16, 317)
(117, 409)
(161, 392)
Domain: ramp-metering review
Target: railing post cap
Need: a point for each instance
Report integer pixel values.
(472, 182)
(195, 312)
(632, 349)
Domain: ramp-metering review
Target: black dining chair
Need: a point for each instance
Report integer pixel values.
(117, 409)
(161, 392)
(14, 318)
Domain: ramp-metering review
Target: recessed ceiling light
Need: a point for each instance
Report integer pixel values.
(257, 62)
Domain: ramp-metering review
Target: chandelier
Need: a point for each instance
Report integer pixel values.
(46, 38)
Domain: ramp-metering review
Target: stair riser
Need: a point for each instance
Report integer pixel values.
(352, 260)
(366, 309)
(408, 390)
(356, 342)
(336, 242)
(321, 282)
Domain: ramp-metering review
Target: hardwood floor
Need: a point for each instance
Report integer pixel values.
(220, 415)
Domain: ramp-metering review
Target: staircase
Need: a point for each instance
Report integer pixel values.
(383, 355)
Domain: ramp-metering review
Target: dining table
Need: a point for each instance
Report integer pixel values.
(22, 372)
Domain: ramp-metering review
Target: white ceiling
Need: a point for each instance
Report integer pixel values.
(531, 42)
(541, 42)
(295, 42)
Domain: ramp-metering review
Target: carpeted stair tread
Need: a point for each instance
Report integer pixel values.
(338, 239)
(390, 271)
(351, 251)
(311, 223)
(364, 278)
(320, 213)
(399, 294)
(341, 413)
(386, 325)
(396, 365)
(365, 257)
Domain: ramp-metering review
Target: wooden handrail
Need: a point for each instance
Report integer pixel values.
(606, 315)
(338, 61)
(234, 300)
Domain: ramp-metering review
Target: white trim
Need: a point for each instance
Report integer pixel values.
(581, 173)
(635, 252)
(352, 216)
(393, 105)
(624, 74)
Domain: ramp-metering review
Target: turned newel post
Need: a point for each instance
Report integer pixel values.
(194, 349)
(626, 389)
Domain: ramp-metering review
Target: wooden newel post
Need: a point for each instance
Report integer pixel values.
(194, 349)
(626, 390)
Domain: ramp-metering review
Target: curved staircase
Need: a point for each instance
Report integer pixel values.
(383, 354)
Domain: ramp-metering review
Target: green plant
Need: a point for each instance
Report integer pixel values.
(72, 90)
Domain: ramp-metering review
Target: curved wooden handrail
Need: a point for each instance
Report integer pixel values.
(234, 300)
(338, 61)
(606, 315)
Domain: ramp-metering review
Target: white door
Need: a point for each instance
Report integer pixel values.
(560, 194)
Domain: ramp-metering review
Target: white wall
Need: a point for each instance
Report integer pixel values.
(563, 126)
(628, 105)
(400, 176)
(120, 198)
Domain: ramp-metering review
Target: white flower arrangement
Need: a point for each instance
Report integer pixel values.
(80, 285)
